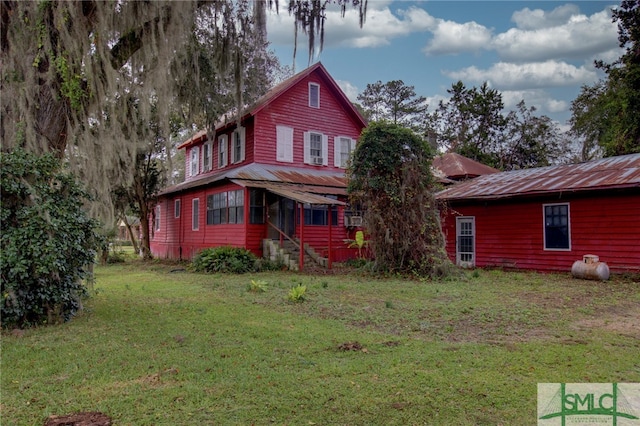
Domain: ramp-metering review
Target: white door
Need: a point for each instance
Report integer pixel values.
(465, 242)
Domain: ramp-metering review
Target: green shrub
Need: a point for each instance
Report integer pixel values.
(234, 260)
(48, 240)
(297, 293)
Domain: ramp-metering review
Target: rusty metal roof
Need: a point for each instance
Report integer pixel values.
(455, 166)
(608, 173)
(308, 180)
(302, 193)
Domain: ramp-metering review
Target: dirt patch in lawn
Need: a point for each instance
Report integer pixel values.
(79, 419)
(623, 320)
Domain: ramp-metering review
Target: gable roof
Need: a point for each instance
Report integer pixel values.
(455, 166)
(607, 173)
(275, 93)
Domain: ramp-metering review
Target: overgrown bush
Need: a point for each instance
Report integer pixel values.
(48, 241)
(234, 260)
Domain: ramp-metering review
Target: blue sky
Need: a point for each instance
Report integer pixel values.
(539, 51)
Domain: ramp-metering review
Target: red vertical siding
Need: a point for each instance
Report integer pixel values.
(511, 233)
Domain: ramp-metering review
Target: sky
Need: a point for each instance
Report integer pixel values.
(539, 51)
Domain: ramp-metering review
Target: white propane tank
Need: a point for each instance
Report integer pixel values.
(590, 268)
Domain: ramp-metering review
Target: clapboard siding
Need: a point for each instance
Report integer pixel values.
(286, 105)
(511, 233)
(293, 110)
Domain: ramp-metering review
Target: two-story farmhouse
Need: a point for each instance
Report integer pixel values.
(277, 173)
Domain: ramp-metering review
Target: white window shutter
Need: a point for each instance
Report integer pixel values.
(284, 142)
(243, 143)
(336, 151)
(232, 148)
(325, 150)
(307, 148)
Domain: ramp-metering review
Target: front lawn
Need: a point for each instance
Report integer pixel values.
(160, 346)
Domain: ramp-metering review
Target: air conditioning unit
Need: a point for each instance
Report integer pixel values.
(355, 221)
(317, 161)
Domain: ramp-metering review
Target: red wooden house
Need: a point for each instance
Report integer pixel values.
(546, 218)
(278, 175)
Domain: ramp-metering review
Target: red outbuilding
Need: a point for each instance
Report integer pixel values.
(277, 174)
(546, 218)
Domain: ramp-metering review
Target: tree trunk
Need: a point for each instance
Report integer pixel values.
(132, 237)
(145, 245)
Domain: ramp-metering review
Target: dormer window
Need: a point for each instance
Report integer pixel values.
(222, 151)
(237, 146)
(194, 162)
(206, 157)
(314, 95)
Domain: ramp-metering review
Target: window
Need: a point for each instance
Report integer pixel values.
(222, 151)
(315, 214)
(256, 206)
(343, 147)
(314, 95)
(236, 206)
(225, 207)
(217, 208)
(237, 146)
(465, 241)
(315, 148)
(284, 144)
(206, 157)
(556, 227)
(156, 224)
(195, 214)
(194, 166)
(176, 208)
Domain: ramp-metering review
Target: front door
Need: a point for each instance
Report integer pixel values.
(465, 242)
(281, 215)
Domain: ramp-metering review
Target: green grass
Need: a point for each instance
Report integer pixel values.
(155, 347)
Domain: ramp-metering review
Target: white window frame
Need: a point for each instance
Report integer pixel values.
(324, 140)
(194, 164)
(459, 261)
(206, 156)
(314, 102)
(156, 225)
(177, 206)
(222, 151)
(544, 227)
(237, 144)
(284, 144)
(338, 143)
(195, 214)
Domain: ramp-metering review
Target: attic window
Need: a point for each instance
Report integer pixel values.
(314, 95)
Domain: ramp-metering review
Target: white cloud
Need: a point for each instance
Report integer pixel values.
(451, 38)
(578, 36)
(528, 19)
(380, 27)
(349, 89)
(504, 75)
(540, 99)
